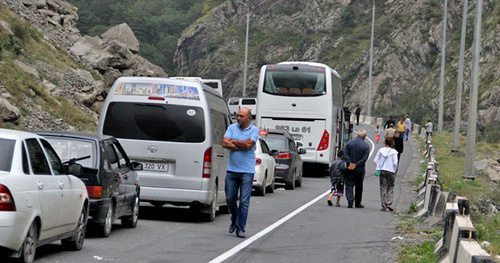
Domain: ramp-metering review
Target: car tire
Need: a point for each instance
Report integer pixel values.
(262, 190)
(131, 221)
(291, 185)
(211, 210)
(298, 183)
(28, 249)
(76, 241)
(105, 229)
(270, 189)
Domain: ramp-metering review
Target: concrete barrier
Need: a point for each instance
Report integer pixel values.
(471, 251)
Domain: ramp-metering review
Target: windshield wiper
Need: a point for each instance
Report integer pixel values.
(74, 160)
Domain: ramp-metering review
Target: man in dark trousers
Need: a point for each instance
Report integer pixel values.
(357, 112)
(356, 154)
(387, 124)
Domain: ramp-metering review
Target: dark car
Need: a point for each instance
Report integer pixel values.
(110, 177)
(288, 160)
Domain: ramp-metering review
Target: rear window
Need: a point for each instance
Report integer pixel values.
(248, 102)
(75, 148)
(6, 154)
(234, 101)
(276, 142)
(302, 81)
(155, 122)
(213, 85)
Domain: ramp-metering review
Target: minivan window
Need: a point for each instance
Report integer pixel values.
(277, 142)
(248, 102)
(6, 153)
(155, 122)
(234, 101)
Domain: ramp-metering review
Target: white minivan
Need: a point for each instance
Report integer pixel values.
(215, 84)
(235, 104)
(175, 129)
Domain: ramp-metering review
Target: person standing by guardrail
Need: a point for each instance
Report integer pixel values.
(387, 162)
(408, 126)
(428, 129)
(356, 154)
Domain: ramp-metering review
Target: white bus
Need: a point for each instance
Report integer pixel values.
(305, 99)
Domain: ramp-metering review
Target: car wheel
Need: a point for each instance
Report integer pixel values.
(270, 189)
(291, 185)
(212, 208)
(298, 183)
(29, 245)
(76, 241)
(105, 229)
(131, 221)
(262, 190)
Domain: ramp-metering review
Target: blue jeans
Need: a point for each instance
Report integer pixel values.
(407, 134)
(242, 182)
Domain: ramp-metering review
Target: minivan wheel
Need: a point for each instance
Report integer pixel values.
(131, 221)
(105, 229)
(76, 241)
(212, 208)
(29, 245)
(291, 185)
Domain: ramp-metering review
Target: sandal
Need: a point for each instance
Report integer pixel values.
(390, 208)
(383, 209)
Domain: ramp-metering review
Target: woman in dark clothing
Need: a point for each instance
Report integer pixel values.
(398, 145)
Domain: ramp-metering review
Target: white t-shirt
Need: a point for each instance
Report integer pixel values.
(429, 127)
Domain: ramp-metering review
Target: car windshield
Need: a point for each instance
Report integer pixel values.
(155, 122)
(6, 154)
(74, 148)
(276, 142)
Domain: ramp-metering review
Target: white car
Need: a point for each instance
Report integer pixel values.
(263, 180)
(39, 202)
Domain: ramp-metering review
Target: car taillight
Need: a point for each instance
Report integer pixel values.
(283, 156)
(6, 200)
(258, 161)
(323, 143)
(207, 163)
(94, 191)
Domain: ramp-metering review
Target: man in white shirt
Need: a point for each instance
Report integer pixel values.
(408, 125)
(428, 131)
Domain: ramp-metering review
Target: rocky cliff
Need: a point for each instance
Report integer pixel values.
(408, 39)
(52, 77)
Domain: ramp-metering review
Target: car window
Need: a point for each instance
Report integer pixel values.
(39, 164)
(233, 101)
(219, 126)
(6, 154)
(276, 142)
(54, 160)
(112, 158)
(120, 154)
(67, 148)
(26, 164)
(263, 146)
(248, 102)
(291, 145)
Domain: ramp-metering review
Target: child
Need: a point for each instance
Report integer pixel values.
(378, 131)
(337, 178)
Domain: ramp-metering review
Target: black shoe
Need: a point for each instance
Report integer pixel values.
(349, 206)
(240, 234)
(232, 228)
(360, 206)
(330, 202)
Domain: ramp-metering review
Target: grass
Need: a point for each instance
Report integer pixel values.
(420, 253)
(412, 228)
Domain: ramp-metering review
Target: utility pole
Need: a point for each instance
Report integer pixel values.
(443, 62)
(369, 99)
(474, 87)
(246, 56)
(458, 99)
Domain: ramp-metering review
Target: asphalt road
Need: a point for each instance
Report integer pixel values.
(317, 233)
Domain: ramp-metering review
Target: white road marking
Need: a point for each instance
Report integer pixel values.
(278, 223)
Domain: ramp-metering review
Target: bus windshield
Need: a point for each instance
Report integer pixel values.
(288, 82)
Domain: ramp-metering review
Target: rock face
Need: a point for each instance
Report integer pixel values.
(406, 53)
(103, 60)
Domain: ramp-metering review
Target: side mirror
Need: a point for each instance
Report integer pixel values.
(302, 151)
(136, 166)
(75, 169)
(299, 144)
(274, 152)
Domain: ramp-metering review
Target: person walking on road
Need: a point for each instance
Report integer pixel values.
(401, 127)
(240, 139)
(356, 154)
(337, 177)
(388, 123)
(387, 162)
(428, 130)
(408, 126)
(357, 112)
(398, 145)
(389, 133)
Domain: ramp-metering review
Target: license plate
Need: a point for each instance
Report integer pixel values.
(156, 167)
(296, 136)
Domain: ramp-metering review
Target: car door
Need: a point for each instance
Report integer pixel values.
(119, 183)
(49, 194)
(128, 174)
(269, 161)
(69, 201)
(294, 156)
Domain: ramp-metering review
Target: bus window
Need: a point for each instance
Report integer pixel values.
(305, 82)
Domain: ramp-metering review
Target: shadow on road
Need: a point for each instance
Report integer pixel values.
(172, 214)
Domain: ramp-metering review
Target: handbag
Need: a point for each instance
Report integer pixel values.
(378, 172)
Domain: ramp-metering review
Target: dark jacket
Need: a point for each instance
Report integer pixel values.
(357, 152)
(338, 169)
(387, 124)
(398, 144)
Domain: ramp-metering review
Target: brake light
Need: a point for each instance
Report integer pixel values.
(283, 156)
(263, 132)
(6, 200)
(323, 143)
(94, 191)
(207, 163)
(258, 161)
(156, 98)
